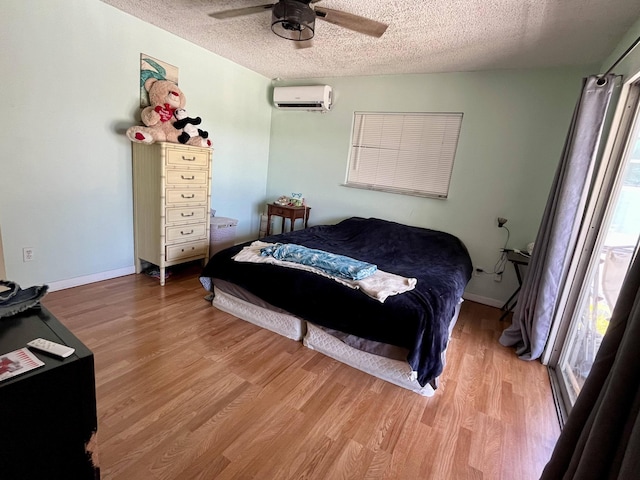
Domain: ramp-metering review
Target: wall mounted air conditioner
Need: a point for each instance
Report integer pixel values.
(310, 98)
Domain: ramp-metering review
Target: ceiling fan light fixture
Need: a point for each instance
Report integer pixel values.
(293, 20)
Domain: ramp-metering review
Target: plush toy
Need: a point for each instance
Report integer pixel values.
(165, 97)
(187, 124)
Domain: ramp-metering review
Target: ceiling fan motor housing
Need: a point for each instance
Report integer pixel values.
(293, 20)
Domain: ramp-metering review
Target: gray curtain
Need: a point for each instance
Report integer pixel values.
(557, 236)
(601, 439)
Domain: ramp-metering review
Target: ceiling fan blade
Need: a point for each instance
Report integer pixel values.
(351, 21)
(237, 12)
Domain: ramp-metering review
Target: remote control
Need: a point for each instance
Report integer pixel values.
(53, 348)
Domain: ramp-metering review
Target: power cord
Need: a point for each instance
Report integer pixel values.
(499, 267)
(506, 242)
(502, 261)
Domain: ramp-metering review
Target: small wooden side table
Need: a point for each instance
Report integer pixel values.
(287, 211)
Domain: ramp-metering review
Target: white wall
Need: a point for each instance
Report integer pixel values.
(70, 77)
(3, 274)
(513, 131)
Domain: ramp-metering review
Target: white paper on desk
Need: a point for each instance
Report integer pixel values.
(18, 362)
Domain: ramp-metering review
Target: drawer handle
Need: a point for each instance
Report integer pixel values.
(192, 177)
(188, 159)
(192, 248)
(187, 215)
(187, 233)
(193, 195)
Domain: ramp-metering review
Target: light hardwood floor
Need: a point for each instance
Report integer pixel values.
(186, 391)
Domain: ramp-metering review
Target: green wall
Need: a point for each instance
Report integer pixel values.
(630, 66)
(513, 131)
(71, 70)
(70, 76)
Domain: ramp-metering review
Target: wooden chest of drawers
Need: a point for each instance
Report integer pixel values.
(171, 201)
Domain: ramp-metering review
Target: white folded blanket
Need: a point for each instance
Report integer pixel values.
(379, 285)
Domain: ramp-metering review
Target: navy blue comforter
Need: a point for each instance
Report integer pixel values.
(417, 320)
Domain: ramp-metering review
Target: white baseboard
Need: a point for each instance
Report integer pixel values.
(96, 277)
(492, 302)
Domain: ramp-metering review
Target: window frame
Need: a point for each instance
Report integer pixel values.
(407, 133)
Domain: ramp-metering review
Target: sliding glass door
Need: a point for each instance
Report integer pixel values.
(610, 243)
(600, 289)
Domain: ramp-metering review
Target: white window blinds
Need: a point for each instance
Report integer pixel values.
(410, 153)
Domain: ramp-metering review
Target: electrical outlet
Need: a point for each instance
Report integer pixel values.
(27, 254)
(497, 277)
(477, 271)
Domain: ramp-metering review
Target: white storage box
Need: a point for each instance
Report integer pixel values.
(223, 234)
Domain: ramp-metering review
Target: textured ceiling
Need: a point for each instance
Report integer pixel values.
(423, 36)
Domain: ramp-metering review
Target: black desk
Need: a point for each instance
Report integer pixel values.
(518, 260)
(49, 419)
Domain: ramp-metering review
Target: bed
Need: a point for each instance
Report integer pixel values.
(399, 337)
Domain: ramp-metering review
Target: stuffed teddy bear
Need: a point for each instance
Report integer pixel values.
(185, 123)
(165, 97)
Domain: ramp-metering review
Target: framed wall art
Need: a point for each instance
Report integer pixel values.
(153, 68)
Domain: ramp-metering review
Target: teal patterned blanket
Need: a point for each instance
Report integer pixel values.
(331, 263)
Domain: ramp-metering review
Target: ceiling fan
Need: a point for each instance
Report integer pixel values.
(295, 19)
